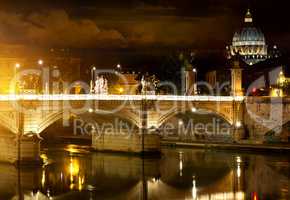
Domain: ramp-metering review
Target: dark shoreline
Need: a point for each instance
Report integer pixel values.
(230, 146)
(244, 147)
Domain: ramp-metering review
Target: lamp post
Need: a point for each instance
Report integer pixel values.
(195, 81)
(92, 82)
(118, 67)
(16, 67)
(45, 78)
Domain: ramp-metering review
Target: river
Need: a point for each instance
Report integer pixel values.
(73, 172)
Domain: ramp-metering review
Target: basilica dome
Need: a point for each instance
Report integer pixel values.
(249, 36)
(249, 42)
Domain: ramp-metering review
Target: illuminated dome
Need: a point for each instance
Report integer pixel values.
(250, 42)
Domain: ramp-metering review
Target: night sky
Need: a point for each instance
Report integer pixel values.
(139, 26)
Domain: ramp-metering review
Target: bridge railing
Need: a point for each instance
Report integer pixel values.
(74, 97)
(267, 99)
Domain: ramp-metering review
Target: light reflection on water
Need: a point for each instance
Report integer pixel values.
(73, 172)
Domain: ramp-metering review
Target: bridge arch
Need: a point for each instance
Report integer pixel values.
(9, 122)
(53, 117)
(173, 112)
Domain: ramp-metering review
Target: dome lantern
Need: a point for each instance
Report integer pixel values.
(248, 17)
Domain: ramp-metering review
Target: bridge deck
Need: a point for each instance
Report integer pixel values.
(74, 97)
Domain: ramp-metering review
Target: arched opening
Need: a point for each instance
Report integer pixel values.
(5, 129)
(78, 128)
(7, 124)
(196, 125)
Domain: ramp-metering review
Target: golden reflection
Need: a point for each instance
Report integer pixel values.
(180, 163)
(72, 149)
(81, 182)
(73, 171)
(239, 160)
(43, 175)
(224, 196)
(239, 170)
(43, 178)
(71, 186)
(77, 180)
(194, 189)
(74, 167)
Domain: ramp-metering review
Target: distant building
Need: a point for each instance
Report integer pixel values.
(268, 77)
(250, 43)
(61, 67)
(264, 70)
(126, 83)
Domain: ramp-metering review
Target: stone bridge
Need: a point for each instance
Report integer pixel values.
(26, 116)
(35, 113)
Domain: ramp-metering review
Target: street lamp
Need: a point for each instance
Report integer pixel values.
(121, 90)
(40, 62)
(195, 80)
(17, 65)
(193, 109)
(92, 82)
(238, 124)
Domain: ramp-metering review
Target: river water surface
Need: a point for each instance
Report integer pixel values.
(73, 172)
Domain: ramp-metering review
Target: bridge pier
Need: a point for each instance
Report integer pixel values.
(139, 142)
(238, 133)
(19, 150)
(28, 150)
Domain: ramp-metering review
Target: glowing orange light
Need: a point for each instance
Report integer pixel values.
(255, 196)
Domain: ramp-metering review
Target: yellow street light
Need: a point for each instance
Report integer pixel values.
(121, 90)
(17, 65)
(238, 124)
(193, 109)
(40, 62)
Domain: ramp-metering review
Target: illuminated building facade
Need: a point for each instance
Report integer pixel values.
(32, 67)
(126, 83)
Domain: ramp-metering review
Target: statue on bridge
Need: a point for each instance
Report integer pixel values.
(149, 85)
(101, 85)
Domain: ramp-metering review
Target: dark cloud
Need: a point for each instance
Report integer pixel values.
(136, 23)
(177, 31)
(56, 28)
